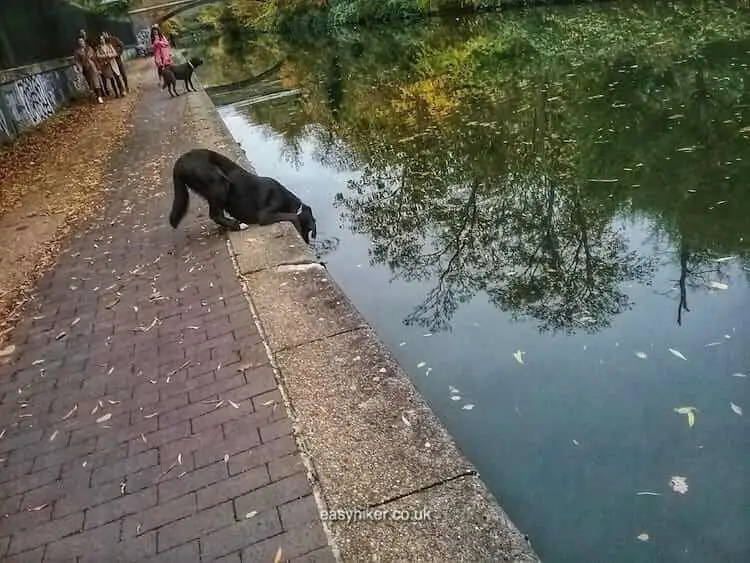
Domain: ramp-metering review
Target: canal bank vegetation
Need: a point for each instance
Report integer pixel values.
(311, 17)
(496, 154)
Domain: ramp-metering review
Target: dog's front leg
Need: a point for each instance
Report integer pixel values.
(217, 215)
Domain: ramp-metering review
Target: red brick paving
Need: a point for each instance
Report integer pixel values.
(140, 419)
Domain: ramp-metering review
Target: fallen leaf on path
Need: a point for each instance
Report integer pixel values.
(277, 557)
(70, 412)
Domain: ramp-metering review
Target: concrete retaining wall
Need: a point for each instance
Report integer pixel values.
(369, 439)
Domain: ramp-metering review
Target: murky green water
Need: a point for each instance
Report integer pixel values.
(567, 188)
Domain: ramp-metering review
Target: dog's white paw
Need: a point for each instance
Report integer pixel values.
(243, 226)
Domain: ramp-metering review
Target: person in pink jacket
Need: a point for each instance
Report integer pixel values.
(161, 48)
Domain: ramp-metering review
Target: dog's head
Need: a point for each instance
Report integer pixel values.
(307, 223)
(196, 61)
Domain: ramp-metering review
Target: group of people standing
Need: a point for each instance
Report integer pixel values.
(101, 63)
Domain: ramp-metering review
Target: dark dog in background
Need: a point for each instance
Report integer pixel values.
(172, 73)
(227, 187)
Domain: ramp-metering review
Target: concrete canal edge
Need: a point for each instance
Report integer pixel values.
(368, 438)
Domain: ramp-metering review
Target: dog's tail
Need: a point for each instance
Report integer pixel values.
(181, 199)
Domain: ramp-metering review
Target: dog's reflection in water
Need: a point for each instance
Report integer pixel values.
(324, 246)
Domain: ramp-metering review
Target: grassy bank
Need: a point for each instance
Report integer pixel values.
(314, 17)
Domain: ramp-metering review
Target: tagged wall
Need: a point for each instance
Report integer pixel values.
(31, 94)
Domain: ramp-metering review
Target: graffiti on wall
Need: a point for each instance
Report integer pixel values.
(5, 132)
(28, 101)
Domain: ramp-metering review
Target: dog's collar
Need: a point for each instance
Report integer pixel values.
(299, 211)
(190, 64)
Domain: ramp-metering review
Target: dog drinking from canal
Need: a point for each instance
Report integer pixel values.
(227, 187)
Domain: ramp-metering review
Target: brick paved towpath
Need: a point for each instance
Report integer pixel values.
(140, 419)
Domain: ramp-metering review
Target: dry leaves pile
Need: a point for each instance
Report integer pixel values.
(50, 181)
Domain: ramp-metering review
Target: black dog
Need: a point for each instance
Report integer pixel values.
(248, 198)
(172, 73)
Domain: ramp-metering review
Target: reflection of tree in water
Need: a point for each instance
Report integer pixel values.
(537, 251)
(475, 161)
(697, 269)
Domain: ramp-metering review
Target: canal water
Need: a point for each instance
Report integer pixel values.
(546, 216)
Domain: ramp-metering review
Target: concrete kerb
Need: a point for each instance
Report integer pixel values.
(368, 439)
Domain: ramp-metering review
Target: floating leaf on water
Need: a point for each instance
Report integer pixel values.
(710, 344)
(690, 412)
(104, 417)
(453, 390)
(421, 365)
(641, 355)
(468, 407)
(648, 493)
(575, 442)
(717, 285)
(687, 149)
(736, 408)
(738, 374)
(678, 354)
(643, 537)
(455, 397)
(518, 355)
(724, 259)
(679, 484)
